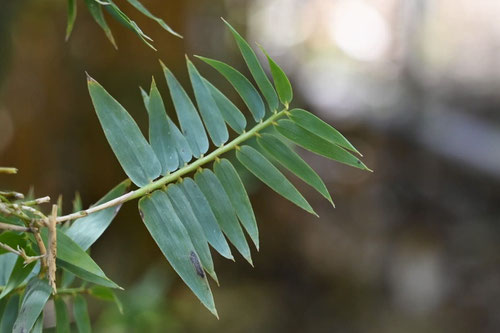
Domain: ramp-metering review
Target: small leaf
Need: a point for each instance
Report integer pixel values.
(71, 17)
(173, 240)
(271, 176)
(189, 119)
(81, 314)
(317, 126)
(95, 10)
(316, 144)
(181, 144)
(234, 188)
(246, 90)
(206, 104)
(35, 296)
(293, 162)
(203, 212)
(86, 230)
(106, 294)
(62, 318)
(223, 210)
(186, 216)
(281, 81)
(9, 314)
(77, 203)
(19, 273)
(258, 73)
(135, 155)
(140, 7)
(160, 133)
(73, 258)
(231, 114)
(127, 22)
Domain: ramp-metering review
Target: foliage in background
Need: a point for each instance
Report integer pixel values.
(184, 204)
(96, 7)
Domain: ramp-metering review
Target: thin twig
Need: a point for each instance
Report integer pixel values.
(41, 247)
(10, 171)
(51, 259)
(20, 252)
(13, 227)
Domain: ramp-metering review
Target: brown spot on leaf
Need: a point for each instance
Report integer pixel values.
(196, 263)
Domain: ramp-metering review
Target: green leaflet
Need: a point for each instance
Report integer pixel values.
(86, 230)
(106, 294)
(203, 212)
(231, 114)
(160, 133)
(186, 216)
(246, 90)
(127, 22)
(140, 7)
(206, 104)
(135, 155)
(95, 10)
(77, 203)
(71, 17)
(281, 81)
(317, 126)
(73, 258)
(35, 296)
(223, 210)
(271, 176)
(19, 273)
(80, 312)
(189, 119)
(293, 162)
(234, 188)
(9, 314)
(62, 318)
(316, 144)
(173, 240)
(38, 327)
(256, 70)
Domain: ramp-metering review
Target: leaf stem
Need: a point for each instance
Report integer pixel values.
(176, 175)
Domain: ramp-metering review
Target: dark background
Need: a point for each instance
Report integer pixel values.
(413, 247)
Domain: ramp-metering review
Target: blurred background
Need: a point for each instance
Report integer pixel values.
(414, 85)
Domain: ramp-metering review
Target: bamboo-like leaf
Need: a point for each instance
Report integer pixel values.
(19, 273)
(38, 326)
(257, 164)
(203, 212)
(62, 318)
(231, 114)
(160, 133)
(316, 144)
(81, 314)
(9, 314)
(106, 294)
(86, 230)
(208, 108)
(293, 162)
(35, 296)
(256, 70)
(246, 90)
(223, 210)
(7, 262)
(189, 119)
(234, 188)
(72, 257)
(71, 17)
(120, 16)
(313, 124)
(95, 10)
(186, 216)
(173, 240)
(140, 7)
(135, 155)
(281, 82)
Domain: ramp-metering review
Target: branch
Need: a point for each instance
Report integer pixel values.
(51, 259)
(13, 227)
(20, 252)
(9, 171)
(176, 175)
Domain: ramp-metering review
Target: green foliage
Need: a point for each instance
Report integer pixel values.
(96, 7)
(186, 207)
